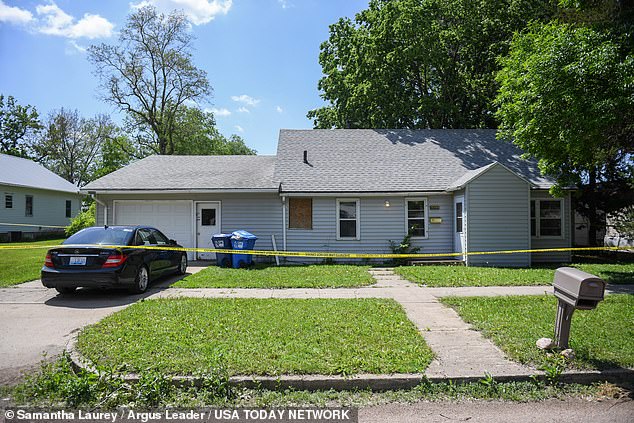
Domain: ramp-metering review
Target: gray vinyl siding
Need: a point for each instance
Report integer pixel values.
(498, 218)
(260, 214)
(378, 225)
(564, 242)
(49, 208)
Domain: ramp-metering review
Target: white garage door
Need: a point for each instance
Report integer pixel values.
(173, 218)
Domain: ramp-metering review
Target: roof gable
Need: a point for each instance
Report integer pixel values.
(17, 171)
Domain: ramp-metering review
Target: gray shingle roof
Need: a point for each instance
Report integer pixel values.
(26, 173)
(191, 173)
(383, 160)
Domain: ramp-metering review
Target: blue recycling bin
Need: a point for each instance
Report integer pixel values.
(242, 240)
(222, 241)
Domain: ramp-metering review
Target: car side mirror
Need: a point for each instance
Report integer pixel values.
(173, 242)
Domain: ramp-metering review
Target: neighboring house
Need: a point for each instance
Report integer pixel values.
(30, 196)
(351, 190)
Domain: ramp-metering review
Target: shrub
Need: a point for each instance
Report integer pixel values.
(83, 220)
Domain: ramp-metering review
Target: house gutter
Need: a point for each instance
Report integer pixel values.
(102, 204)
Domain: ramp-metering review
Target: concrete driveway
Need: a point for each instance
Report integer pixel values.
(36, 322)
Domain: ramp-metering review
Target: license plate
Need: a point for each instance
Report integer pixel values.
(77, 261)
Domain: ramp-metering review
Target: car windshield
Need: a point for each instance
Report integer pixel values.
(102, 235)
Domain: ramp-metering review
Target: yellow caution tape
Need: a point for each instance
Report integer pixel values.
(316, 254)
(31, 225)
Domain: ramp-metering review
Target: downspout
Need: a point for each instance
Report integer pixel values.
(283, 217)
(466, 225)
(102, 204)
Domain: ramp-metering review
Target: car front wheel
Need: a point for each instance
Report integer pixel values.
(141, 281)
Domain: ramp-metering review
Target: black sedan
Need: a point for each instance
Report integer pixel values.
(81, 262)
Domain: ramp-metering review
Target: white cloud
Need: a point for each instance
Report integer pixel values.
(239, 128)
(199, 12)
(245, 99)
(243, 109)
(73, 48)
(279, 109)
(59, 23)
(222, 112)
(14, 15)
(285, 4)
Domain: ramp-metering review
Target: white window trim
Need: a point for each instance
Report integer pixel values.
(537, 218)
(426, 219)
(358, 219)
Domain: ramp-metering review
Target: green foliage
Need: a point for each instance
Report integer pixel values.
(314, 276)
(553, 366)
(196, 134)
(418, 63)
(71, 145)
(566, 98)
(623, 222)
(404, 247)
(116, 152)
(259, 336)
(17, 126)
(83, 220)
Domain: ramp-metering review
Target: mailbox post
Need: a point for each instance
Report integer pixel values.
(575, 290)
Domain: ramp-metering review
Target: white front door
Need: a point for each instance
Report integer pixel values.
(459, 226)
(207, 224)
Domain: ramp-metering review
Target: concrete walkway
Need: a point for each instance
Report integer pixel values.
(34, 319)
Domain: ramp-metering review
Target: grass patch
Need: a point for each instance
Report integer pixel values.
(601, 338)
(315, 276)
(17, 266)
(259, 336)
(57, 385)
(455, 276)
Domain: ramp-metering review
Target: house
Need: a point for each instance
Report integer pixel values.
(33, 198)
(352, 190)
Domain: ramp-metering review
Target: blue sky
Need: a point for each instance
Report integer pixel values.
(261, 56)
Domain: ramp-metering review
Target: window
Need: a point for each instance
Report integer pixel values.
(546, 218)
(159, 238)
(300, 213)
(69, 208)
(144, 237)
(8, 201)
(459, 217)
(348, 219)
(28, 207)
(208, 217)
(416, 219)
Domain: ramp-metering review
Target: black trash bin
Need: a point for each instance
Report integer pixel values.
(222, 241)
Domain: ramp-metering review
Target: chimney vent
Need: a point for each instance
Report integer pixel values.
(306, 156)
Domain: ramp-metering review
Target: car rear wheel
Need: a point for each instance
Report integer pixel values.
(141, 281)
(65, 289)
(182, 267)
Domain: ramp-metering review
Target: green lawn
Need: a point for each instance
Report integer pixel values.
(601, 338)
(259, 336)
(621, 273)
(315, 276)
(17, 266)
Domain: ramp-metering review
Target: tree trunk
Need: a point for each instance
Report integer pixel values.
(592, 208)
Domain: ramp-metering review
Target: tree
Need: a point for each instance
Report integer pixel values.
(17, 126)
(114, 155)
(567, 99)
(150, 74)
(70, 145)
(196, 133)
(418, 63)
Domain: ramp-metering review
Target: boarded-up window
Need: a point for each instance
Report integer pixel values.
(300, 213)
